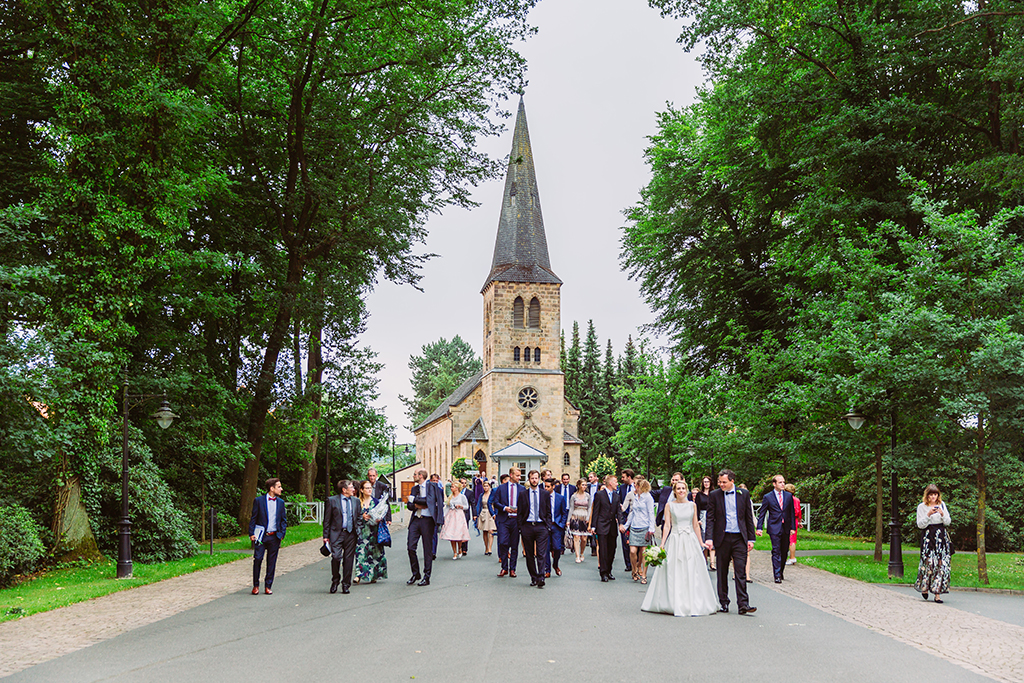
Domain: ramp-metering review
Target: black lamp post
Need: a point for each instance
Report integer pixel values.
(856, 420)
(164, 417)
(393, 467)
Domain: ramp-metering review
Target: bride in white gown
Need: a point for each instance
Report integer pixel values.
(681, 585)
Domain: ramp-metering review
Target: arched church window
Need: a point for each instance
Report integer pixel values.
(535, 313)
(487, 317)
(515, 354)
(536, 355)
(565, 460)
(526, 354)
(517, 313)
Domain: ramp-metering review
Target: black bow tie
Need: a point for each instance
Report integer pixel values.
(729, 493)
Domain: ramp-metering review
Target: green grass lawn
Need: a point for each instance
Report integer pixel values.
(60, 587)
(815, 540)
(1005, 570)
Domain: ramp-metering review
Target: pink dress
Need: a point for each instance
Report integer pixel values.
(455, 526)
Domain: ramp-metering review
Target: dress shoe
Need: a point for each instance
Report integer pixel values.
(414, 579)
(268, 591)
(503, 573)
(593, 553)
(547, 575)
(256, 591)
(604, 579)
(344, 590)
(334, 586)
(778, 580)
(424, 582)
(747, 610)
(558, 572)
(533, 582)
(540, 584)
(512, 573)
(723, 610)
(611, 578)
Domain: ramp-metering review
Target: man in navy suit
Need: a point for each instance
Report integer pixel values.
(556, 532)
(426, 502)
(730, 533)
(777, 504)
(268, 512)
(506, 505)
(593, 486)
(534, 513)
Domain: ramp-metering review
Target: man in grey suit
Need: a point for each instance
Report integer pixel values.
(342, 516)
(426, 502)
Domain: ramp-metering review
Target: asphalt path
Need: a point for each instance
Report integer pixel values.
(469, 625)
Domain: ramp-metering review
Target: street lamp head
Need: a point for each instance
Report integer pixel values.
(855, 419)
(164, 415)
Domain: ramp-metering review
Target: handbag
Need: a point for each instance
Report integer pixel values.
(384, 534)
(324, 550)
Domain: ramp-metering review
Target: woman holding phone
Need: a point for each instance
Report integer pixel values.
(936, 548)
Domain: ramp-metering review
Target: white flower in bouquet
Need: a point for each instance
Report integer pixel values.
(654, 555)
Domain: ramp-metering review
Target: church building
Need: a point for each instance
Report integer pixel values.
(514, 411)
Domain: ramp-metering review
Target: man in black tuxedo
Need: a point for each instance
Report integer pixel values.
(534, 513)
(730, 533)
(777, 504)
(593, 486)
(471, 499)
(342, 517)
(426, 502)
(604, 523)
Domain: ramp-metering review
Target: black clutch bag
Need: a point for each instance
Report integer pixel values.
(324, 550)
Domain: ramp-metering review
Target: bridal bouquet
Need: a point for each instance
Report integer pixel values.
(654, 555)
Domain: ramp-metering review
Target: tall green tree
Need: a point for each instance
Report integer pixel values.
(436, 372)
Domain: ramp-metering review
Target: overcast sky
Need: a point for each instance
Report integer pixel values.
(599, 70)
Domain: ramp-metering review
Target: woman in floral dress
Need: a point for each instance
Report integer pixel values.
(370, 561)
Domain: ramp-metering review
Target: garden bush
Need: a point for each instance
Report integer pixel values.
(21, 547)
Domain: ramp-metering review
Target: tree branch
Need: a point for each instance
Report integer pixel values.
(979, 15)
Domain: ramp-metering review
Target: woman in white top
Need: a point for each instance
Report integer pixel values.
(681, 585)
(640, 523)
(455, 528)
(936, 548)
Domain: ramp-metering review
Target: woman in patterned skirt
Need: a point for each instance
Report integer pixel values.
(936, 548)
(370, 561)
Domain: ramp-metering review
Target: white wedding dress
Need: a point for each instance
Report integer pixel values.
(681, 585)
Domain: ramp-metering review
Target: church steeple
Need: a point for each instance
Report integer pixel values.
(521, 248)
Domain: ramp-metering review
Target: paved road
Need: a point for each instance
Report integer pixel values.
(469, 625)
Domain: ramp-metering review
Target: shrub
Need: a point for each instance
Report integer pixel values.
(291, 514)
(160, 531)
(20, 544)
(602, 466)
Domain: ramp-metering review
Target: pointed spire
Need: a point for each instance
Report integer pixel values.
(521, 248)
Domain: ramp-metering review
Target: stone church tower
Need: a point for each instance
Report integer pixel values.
(514, 412)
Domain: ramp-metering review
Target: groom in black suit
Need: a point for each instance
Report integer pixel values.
(730, 533)
(604, 523)
(534, 513)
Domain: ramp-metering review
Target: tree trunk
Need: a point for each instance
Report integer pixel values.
(314, 374)
(879, 504)
(73, 535)
(264, 387)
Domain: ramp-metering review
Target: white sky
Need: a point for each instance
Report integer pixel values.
(599, 70)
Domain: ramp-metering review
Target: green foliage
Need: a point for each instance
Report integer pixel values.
(462, 467)
(21, 547)
(438, 371)
(160, 530)
(602, 466)
(291, 513)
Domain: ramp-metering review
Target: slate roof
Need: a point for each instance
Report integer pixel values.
(569, 438)
(521, 248)
(453, 399)
(475, 433)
